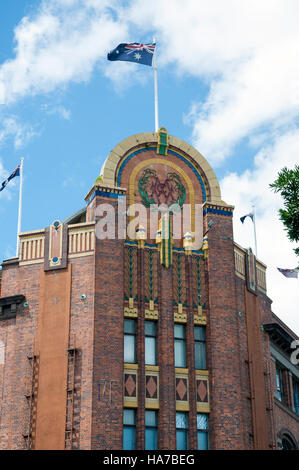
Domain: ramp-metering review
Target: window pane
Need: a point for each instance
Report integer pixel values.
(181, 420)
(150, 328)
(129, 417)
(179, 353)
(129, 438)
(151, 418)
(202, 421)
(150, 351)
(129, 349)
(151, 442)
(279, 383)
(202, 440)
(179, 331)
(200, 333)
(200, 355)
(130, 326)
(296, 396)
(181, 439)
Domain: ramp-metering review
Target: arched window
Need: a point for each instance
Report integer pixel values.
(286, 441)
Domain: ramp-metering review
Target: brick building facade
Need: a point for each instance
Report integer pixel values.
(137, 340)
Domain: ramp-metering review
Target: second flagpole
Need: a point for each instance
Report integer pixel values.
(156, 87)
(20, 207)
(254, 228)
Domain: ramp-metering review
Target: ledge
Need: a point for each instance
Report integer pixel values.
(279, 336)
(10, 261)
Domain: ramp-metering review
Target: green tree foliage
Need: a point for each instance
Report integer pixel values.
(287, 184)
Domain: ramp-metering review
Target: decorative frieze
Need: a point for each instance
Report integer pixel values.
(151, 284)
(239, 262)
(248, 268)
(130, 311)
(261, 277)
(152, 387)
(130, 281)
(198, 290)
(81, 239)
(162, 146)
(182, 389)
(56, 249)
(130, 385)
(31, 247)
(202, 392)
(179, 288)
(75, 240)
(218, 209)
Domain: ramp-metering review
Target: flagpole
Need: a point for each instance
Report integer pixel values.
(254, 228)
(20, 207)
(156, 88)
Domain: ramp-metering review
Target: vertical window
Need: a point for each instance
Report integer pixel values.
(179, 345)
(296, 395)
(200, 347)
(279, 383)
(150, 343)
(181, 431)
(202, 431)
(129, 429)
(151, 430)
(130, 341)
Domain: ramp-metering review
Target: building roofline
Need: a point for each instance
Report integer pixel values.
(280, 335)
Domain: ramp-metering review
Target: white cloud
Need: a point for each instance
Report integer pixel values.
(62, 43)
(260, 94)
(63, 112)
(60, 110)
(245, 52)
(274, 248)
(21, 133)
(248, 54)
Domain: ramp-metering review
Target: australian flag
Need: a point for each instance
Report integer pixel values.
(16, 172)
(247, 215)
(133, 52)
(289, 272)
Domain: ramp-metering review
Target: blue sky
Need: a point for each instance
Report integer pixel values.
(228, 83)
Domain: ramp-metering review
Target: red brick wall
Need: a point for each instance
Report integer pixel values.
(82, 326)
(167, 440)
(285, 422)
(140, 413)
(264, 314)
(223, 343)
(246, 417)
(108, 343)
(256, 371)
(19, 334)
